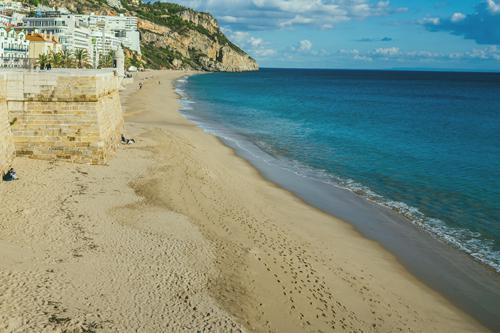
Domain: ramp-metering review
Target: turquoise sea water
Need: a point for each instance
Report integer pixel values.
(427, 145)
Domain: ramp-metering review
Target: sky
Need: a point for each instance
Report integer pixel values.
(364, 34)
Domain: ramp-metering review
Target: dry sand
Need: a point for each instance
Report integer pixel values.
(177, 234)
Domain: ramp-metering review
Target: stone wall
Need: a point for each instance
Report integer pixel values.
(6, 143)
(73, 115)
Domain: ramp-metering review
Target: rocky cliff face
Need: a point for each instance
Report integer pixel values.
(172, 36)
(164, 47)
(201, 19)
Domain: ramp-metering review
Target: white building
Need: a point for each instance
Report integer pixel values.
(5, 20)
(13, 48)
(132, 37)
(103, 43)
(73, 33)
(17, 18)
(7, 6)
(97, 34)
(10, 17)
(124, 28)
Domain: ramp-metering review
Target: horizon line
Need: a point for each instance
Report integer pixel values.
(403, 69)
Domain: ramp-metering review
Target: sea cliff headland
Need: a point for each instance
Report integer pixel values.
(178, 234)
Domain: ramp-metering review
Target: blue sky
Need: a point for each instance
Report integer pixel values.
(419, 34)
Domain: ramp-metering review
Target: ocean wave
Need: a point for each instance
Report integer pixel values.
(465, 240)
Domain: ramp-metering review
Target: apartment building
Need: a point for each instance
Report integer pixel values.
(8, 7)
(123, 28)
(5, 20)
(13, 48)
(72, 33)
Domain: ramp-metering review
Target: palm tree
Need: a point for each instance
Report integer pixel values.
(56, 59)
(43, 60)
(62, 59)
(82, 58)
(67, 58)
(106, 60)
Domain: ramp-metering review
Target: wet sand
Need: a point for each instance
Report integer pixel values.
(178, 234)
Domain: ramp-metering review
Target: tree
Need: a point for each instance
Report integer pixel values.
(67, 58)
(62, 59)
(106, 60)
(43, 60)
(82, 58)
(56, 59)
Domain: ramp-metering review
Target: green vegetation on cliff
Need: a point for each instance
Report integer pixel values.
(158, 57)
(167, 15)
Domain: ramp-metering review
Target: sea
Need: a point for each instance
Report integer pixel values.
(425, 145)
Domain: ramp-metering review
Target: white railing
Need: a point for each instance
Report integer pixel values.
(13, 62)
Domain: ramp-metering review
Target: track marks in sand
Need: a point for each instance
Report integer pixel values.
(272, 279)
(49, 233)
(166, 278)
(136, 268)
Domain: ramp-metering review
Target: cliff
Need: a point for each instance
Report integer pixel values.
(191, 49)
(172, 36)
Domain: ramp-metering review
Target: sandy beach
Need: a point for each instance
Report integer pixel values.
(178, 234)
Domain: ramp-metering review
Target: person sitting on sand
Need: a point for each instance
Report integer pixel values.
(10, 175)
(126, 141)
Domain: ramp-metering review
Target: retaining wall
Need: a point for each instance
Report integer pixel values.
(6, 143)
(69, 115)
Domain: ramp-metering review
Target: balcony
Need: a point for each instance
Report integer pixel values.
(16, 49)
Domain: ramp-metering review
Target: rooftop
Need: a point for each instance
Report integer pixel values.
(39, 37)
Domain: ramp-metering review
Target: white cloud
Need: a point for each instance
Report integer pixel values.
(264, 14)
(482, 25)
(362, 58)
(387, 51)
(457, 17)
(394, 54)
(297, 20)
(255, 46)
(487, 53)
(256, 42)
(305, 45)
(228, 19)
(431, 20)
(265, 53)
(240, 37)
(493, 7)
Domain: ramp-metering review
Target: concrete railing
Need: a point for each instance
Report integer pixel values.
(13, 63)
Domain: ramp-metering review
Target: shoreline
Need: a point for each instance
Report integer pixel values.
(441, 266)
(177, 233)
(264, 159)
